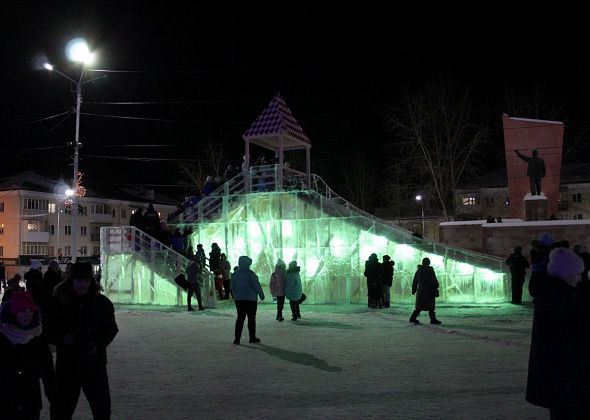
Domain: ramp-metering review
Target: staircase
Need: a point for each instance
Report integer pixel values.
(139, 269)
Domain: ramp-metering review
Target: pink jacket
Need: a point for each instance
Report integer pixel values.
(277, 282)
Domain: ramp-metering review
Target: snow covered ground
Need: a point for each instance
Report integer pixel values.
(338, 362)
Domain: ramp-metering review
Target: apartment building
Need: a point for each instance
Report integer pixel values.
(35, 223)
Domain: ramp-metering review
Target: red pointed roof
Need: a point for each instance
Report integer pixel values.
(276, 119)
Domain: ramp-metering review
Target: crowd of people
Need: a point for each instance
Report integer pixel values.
(559, 366)
(62, 313)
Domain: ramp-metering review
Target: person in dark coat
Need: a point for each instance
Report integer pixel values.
(214, 257)
(201, 255)
(387, 267)
(137, 219)
(34, 284)
(246, 289)
(294, 290)
(52, 277)
(535, 170)
(540, 250)
(12, 285)
(518, 265)
(81, 324)
(585, 256)
(374, 274)
(24, 359)
(425, 287)
(151, 221)
(278, 280)
(193, 272)
(559, 366)
(225, 268)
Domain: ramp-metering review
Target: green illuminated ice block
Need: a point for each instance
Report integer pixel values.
(332, 245)
(329, 241)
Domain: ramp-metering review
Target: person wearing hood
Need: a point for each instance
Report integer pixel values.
(277, 287)
(225, 268)
(12, 285)
(559, 366)
(374, 274)
(214, 257)
(24, 359)
(540, 249)
(81, 324)
(425, 287)
(52, 277)
(518, 265)
(246, 288)
(34, 284)
(294, 290)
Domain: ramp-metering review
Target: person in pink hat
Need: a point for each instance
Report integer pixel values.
(24, 359)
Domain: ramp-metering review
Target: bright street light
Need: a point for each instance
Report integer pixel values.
(77, 50)
(419, 199)
(69, 192)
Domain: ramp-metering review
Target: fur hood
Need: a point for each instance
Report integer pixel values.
(566, 265)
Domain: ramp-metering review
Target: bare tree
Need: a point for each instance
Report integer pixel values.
(359, 178)
(437, 131)
(209, 160)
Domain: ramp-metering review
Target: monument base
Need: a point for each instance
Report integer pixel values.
(535, 208)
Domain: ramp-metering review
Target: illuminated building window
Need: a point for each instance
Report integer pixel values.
(1, 228)
(34, 248)
(470, 201)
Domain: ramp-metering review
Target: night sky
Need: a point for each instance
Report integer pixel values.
(211, 67)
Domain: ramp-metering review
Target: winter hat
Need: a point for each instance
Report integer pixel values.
(244, 261)
(81, 270)
(280, 264)
(36, 265)
(546, 239)
(293, 265)
(566, 265)
(21, 301)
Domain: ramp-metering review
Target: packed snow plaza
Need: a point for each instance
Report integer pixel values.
(274, 211)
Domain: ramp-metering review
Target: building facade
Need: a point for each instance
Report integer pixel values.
(488, 195)
(36, 224)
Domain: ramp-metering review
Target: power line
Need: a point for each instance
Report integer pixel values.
(159, 119)
(36, 121)
(141, 159)
(202, 101)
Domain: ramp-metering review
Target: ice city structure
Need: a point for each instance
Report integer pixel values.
(273, 211)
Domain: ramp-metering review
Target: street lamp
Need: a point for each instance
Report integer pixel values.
(419, 198)
(77, 50)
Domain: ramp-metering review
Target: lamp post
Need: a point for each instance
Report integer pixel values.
(77, 51)
(419, 198)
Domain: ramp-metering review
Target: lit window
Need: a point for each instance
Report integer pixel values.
(469, 201)
(32, 226)
(1, 228)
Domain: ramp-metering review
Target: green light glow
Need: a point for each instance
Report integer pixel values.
(330, 248)
(465, 268)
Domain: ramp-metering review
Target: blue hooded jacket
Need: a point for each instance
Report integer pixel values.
(244, 282)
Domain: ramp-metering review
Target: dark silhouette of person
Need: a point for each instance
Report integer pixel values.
(518, 265)
(490, 219)
(425, 287)
(535, 170)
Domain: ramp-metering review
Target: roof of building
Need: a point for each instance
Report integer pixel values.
(32, 181)
(277, 120)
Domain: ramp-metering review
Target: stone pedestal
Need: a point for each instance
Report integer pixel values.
(536, 208)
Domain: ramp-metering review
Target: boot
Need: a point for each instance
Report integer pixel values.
(413, 318)
(190, 308)
(433, 319)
